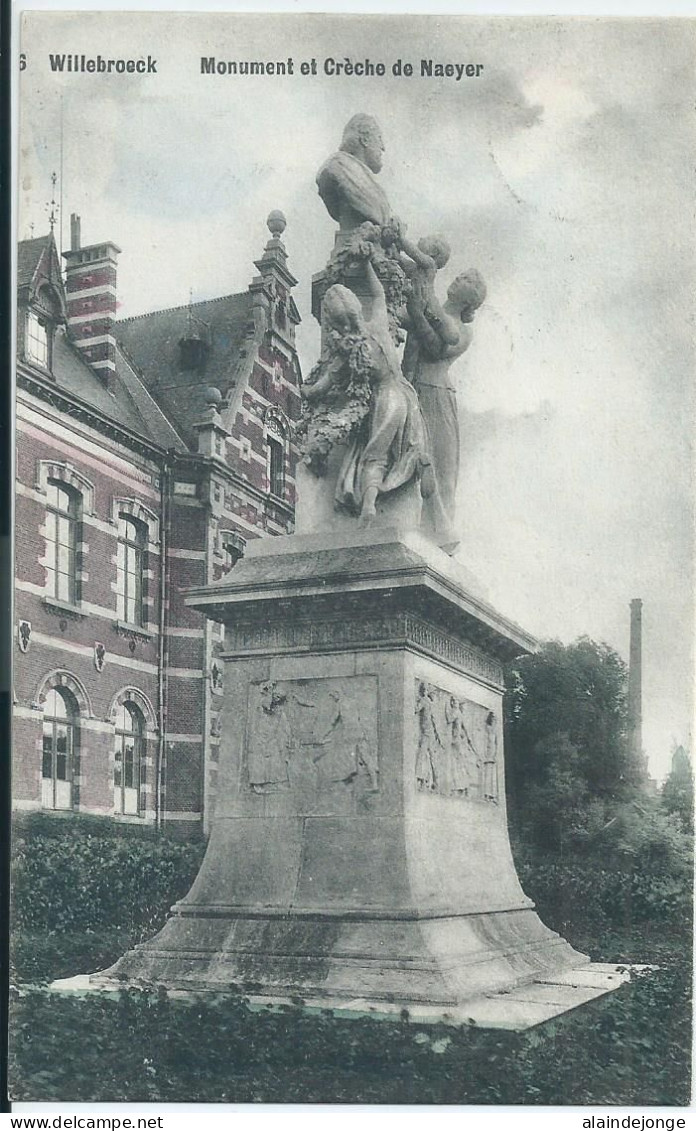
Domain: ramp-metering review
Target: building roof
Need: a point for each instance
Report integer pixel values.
(127, 401)
(123, 405)
(151, 342)
(29, 255)
(155, 393)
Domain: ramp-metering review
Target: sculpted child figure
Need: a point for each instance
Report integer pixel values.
(425, 315)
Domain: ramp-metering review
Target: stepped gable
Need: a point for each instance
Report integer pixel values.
(152, 343)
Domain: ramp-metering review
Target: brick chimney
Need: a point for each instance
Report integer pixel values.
(635, 682)
(90, 284)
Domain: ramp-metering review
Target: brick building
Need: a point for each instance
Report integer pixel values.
(149, 449)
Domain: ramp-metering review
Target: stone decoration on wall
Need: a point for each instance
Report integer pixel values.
(24, 635)
(457, 752)
(313, 739)
(217, 678)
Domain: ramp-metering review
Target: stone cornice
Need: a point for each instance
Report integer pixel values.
(372, 629)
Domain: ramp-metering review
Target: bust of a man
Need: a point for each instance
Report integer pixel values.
(347, 183)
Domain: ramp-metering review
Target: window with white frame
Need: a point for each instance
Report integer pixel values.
(37, 340)
(130, 565)
(62, 524)
(129, 760)
(60, 734)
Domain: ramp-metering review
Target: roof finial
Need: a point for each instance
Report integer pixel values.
(276, 223)
(53, 207)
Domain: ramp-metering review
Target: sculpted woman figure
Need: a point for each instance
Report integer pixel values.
(434, 341)
(358, 394)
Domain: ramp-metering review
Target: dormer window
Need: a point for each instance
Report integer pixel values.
(38, 340)
(42, 317)
(193, 350)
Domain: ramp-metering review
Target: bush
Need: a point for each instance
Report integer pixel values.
(577, 895)
(80, 876)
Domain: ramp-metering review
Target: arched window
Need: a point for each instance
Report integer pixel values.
(60, 730)
(275, 447)
(132, 540)
(62, 516)
(129, 760)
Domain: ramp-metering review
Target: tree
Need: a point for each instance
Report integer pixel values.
(567, 750)
(678, 790)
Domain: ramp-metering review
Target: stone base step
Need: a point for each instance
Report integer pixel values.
(518, 1009)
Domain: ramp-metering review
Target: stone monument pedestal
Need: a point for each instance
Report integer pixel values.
(359, 854)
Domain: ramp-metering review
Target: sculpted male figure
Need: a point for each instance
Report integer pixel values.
(366, 228)
(430, 350)
(347, 183)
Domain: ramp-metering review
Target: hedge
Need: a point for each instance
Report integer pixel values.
(81, 876)
(571, 894)
(77, 876)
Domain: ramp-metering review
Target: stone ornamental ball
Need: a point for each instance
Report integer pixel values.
(276, 222)
(213, 396)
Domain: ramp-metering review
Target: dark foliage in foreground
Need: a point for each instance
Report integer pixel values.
(631, 1049)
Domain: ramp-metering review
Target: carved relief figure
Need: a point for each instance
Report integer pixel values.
(368, 769)
(331, 750)
(271, 742)
(457, 752)
(490, 760)
(464, 761)
(429, 741)
(433, 344)
(470, 751)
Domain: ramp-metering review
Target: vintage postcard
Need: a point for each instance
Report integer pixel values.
(353, 625)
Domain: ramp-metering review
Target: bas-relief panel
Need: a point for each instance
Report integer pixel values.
(458, 745)
(314, 740)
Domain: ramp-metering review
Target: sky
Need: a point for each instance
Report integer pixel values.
(564, 173)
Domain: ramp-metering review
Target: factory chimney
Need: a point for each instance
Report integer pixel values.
(635, 684)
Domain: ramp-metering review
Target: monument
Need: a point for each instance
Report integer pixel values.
(359, 856)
